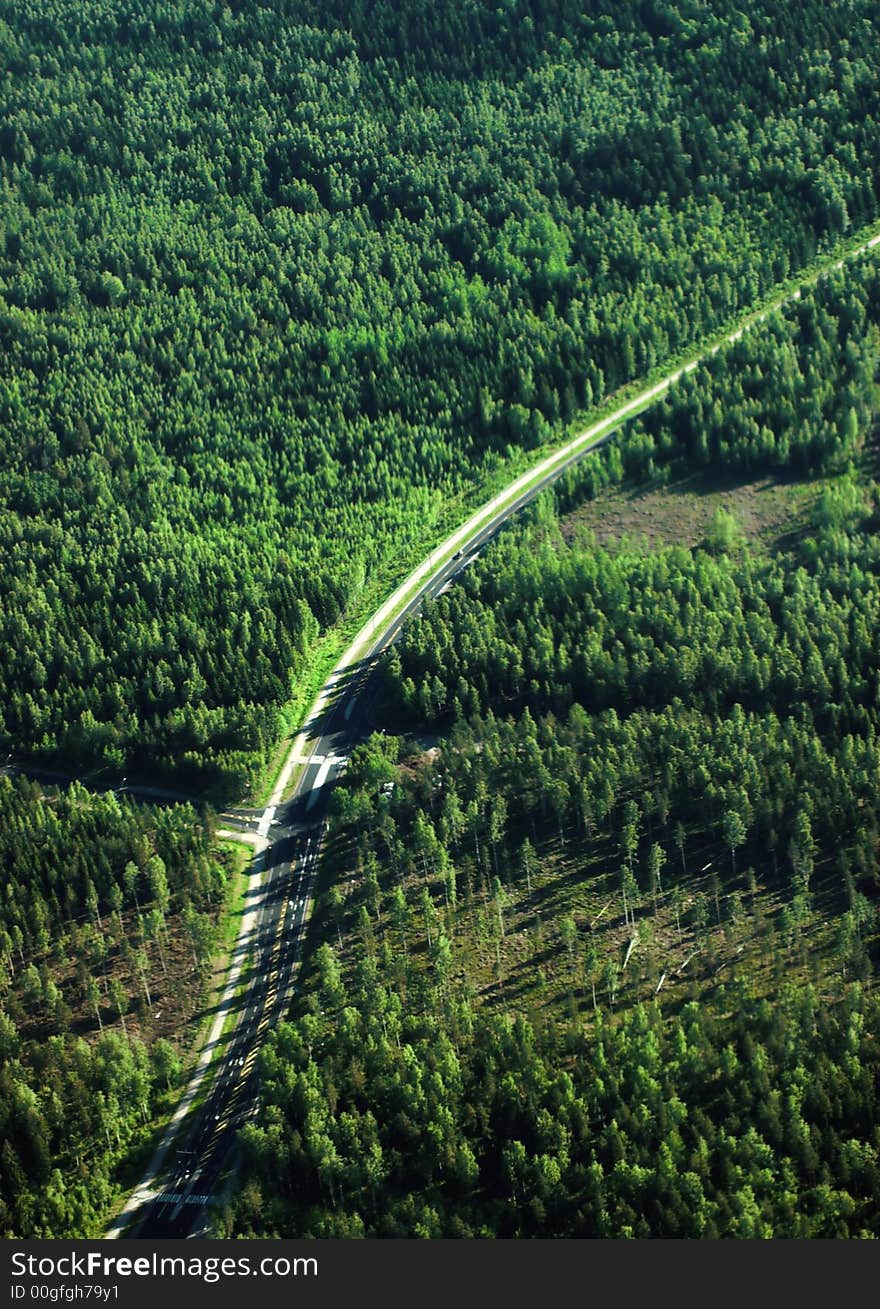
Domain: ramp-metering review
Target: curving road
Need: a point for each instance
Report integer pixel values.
(171, 1200)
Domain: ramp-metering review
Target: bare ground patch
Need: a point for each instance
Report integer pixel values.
(773, 513)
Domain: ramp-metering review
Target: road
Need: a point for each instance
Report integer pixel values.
(171, 1200)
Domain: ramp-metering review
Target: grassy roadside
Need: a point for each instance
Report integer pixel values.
(240, 857)
(332, 644)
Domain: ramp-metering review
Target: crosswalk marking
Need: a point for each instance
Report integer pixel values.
(318, 758)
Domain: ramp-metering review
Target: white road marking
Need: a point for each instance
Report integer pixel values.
(323, 773)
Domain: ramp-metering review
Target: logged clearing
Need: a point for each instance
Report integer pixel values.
(771, 511)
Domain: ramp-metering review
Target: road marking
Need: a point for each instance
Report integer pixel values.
(323, 773)
(266, 821)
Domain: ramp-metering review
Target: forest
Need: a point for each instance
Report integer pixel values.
(282, 283)
(284, 286)
(107, 929)
(599, 936)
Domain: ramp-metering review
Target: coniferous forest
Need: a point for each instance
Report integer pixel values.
(285, 286)
(107, 927)
(279, 281)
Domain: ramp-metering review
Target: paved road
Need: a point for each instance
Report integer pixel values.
(172, 1203)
